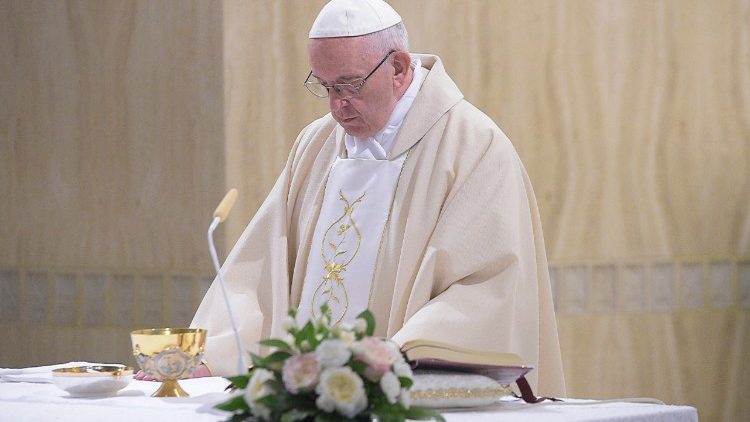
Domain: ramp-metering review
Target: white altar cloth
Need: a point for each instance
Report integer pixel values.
(21, 401)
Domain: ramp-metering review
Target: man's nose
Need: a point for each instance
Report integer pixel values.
(334, 101)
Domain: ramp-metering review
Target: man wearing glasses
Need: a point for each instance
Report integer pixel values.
(405, 200)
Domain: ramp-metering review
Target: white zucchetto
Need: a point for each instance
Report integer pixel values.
(352, 18)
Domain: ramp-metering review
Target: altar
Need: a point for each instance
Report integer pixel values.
(24, 401)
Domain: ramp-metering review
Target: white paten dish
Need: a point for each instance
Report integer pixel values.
(93, 380)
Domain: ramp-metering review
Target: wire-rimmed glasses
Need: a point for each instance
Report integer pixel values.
(344, 91)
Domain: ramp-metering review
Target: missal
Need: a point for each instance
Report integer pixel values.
(505, 368)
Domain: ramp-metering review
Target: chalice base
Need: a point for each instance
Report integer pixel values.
(170, 388)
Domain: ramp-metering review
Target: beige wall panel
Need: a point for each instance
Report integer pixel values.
(631, 116)
(266, 104)
(678, 358)
(10, 212)
(73, 344)
(123, 122)
(116, 132)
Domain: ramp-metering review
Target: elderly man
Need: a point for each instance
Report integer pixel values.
(404, 199)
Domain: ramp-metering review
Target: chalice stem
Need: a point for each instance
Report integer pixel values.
(170, 388)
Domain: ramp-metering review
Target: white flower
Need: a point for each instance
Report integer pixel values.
(257, 388)
(402, 369)
(325, 403)
(289, 339)
(341, 389)
(343, 330)
(331, 353)
(347, 337)
(360, 325)
(391, 386)
(289, 323)
(405, 398)
(304, 346)
(395, 349)
(300, 372)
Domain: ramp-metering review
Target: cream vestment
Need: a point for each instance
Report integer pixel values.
(461, 259)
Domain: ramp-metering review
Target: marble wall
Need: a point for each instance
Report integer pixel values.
(113, 133)
(123, 123)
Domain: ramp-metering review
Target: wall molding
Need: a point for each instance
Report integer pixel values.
(654, 285)
(96, 298)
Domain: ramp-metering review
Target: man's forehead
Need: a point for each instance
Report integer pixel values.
(351, 77)
(339, 59)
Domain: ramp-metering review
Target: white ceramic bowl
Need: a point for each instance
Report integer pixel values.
(92, 380)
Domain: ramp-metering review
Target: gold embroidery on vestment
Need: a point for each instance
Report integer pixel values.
(383, 235)
(338, 248)
(460, 393)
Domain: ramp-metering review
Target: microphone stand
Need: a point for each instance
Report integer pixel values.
(219, 215)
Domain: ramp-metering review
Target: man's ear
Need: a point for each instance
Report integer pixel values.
(401, 63)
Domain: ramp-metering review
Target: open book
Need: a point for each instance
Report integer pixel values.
(505, 368)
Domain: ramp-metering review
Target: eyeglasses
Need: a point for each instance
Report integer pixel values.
(344, 91)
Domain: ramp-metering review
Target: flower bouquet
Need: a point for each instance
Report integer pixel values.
(323, 373)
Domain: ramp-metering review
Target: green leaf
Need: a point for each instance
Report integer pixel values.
(325, 309)
(277, 356)
(321, 418)
(370, 319)
(272, 402)
(275, 384)
(234, 404)
(258, 361)
(422, 414)
(239, 381)
(357, 366)
(241, 417)
(307, 333)
(406, 382)
(328, 417)
(277, 343)
(296, 415)
(389, 413)
(384, 417)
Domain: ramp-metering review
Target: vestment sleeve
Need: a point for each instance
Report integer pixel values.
(256, 274)
(483, 282)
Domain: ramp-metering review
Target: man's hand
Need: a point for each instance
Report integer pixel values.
(200, 371)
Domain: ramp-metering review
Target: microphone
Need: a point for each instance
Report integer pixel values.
(220, 214)
(226, 205)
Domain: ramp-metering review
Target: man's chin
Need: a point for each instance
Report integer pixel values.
(355, 130)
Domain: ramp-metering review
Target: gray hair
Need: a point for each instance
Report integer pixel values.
(393, 38)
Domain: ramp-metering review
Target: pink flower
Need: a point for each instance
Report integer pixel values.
(378, 356)
(300, 372)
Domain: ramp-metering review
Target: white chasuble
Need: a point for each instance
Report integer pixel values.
(461, 257)
(347, 238)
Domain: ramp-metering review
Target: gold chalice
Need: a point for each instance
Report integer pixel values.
(169, 354)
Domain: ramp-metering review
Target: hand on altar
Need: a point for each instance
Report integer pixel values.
(200, 371)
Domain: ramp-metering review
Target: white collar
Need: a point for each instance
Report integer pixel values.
(377, 146)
